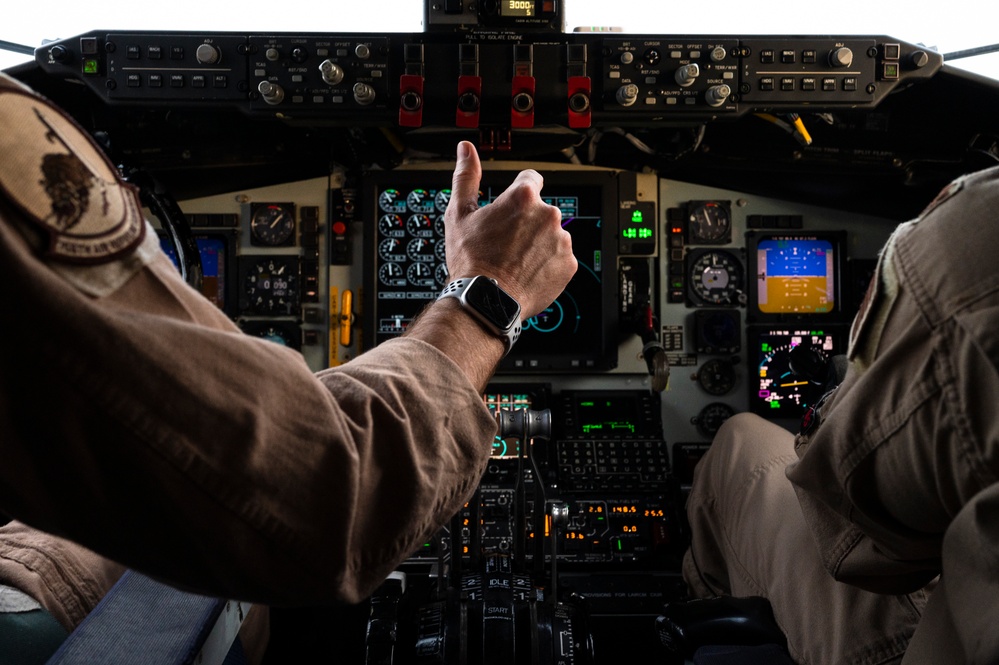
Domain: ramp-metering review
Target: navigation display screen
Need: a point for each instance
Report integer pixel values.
(786, 360)
(406, 264)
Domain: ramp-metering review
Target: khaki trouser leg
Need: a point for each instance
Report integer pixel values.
(750, 539)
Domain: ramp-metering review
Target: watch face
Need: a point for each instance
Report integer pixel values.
(493, 303)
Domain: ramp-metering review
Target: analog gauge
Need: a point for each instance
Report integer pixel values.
(421, 250)
(420, 226)
(780, 391)
(390, 274)
(272, 334)
(442, 198)
(440, 250)
(391, 200)
(711, 418)
(283, 333)
(710, 223)
(440, 274)
(716, 377)
(271, 286)
(391, 226)
(419, 200)
(439, 225)
(715, 278)
(718, 331)
(420, 274)
(391, 249)
(272, 224)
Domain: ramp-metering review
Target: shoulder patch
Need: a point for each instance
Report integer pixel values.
(55, 174)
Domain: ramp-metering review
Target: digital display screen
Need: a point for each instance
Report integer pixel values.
(516, 7)
(796, 275)
(408, 269)
(787, 380)
(214, 251)
(613, 414)
(526, 8)
(607, 416)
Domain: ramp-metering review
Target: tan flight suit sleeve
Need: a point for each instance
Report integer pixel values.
(141, 423)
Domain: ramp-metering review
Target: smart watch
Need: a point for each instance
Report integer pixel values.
(491, 306)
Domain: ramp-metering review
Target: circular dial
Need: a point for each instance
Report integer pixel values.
(391, 200)
(440, 274)
(709, 222)
(421, 250)
(715, 278)
(718, 331)
(279, 332)
(391, 249)
(442, 198)
(272, 224)
(711, 418)
(390, 274)
(420, 200)
(782, 392)
(271, 287)
(391, 226)
(272, 334)
(420, 274)
(716, 377)
(420, 226)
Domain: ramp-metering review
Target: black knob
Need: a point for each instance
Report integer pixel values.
(59, 53)
(579, 102)
(411, 101)
(841, 57)
(468, 102)
(523, 102)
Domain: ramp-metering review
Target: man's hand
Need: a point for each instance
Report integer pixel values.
(518, 239)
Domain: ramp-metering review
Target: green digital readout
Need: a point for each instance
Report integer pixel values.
(605, 416)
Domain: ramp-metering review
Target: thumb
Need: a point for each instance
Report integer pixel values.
(465, 182)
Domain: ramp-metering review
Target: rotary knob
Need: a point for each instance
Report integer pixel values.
(687, 74)
(206, 54)
(717, 94)
(331, 72)
(627, 94)
(271, 93)
(841, 57)
(364, 94)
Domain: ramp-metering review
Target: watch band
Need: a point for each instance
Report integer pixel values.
(495, 309)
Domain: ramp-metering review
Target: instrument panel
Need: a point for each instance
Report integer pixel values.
(727, 197)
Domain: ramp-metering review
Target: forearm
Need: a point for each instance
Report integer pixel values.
(218, 461)
(445, 326)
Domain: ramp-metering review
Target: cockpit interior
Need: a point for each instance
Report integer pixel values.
(727, 196)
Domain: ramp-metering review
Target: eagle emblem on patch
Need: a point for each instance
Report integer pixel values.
(65, 186)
